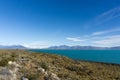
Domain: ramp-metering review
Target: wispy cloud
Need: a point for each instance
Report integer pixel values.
(75, 39)
(108, 15)
(105, 32)
(99, 39)
(103, 17)
(104, 37)
(108, 41)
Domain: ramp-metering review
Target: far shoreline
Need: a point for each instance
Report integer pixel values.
(107, 63)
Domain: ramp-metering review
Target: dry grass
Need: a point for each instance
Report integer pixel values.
(65, 68)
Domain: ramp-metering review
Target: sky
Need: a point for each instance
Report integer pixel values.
(44, 23)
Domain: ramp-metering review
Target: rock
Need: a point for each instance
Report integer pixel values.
(23, 59)
(23, 78)
(41, 69)
(46, 73)
(9, 72)
(54, 76)
(5, 74)
(13, 63)
(9, 62)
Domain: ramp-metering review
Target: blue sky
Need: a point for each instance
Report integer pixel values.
(43, 23)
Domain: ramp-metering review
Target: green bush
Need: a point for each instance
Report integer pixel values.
(33, 76)
(13, 56)
(44, 65)
(4, 62)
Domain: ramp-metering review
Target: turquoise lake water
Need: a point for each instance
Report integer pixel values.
(107, 56)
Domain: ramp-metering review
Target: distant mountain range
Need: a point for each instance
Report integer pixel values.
(84, 47)
(12, 47)
(63, 47)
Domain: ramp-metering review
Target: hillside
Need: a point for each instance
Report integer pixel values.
(25, 65)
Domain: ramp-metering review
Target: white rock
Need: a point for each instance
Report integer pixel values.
(13, 63)
(55, 76)
(10, 62)
(23, 78)
(46, 73)
(41, 69)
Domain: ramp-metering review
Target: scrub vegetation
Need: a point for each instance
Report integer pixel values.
(43, 66)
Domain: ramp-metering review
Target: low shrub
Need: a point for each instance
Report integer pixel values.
(44, 65)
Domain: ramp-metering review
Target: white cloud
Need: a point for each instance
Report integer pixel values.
(36, 44)
(8, 44)
(105, 32)
(108, 41)
(101, 41)
(74, 39)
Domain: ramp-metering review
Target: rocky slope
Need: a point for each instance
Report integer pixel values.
(24, 65)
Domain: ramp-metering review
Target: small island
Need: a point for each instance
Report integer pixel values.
(26, 65)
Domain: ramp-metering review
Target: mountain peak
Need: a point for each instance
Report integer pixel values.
(12, 47)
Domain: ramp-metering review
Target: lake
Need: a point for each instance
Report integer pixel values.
(107, 56)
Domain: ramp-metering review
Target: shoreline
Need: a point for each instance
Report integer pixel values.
(112, 63)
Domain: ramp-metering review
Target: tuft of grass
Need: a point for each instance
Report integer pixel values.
(33, 76)
(44, 65)
(4, 62)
